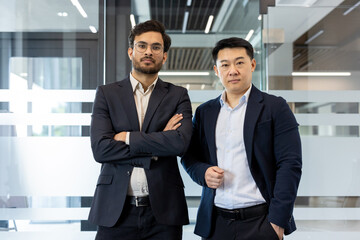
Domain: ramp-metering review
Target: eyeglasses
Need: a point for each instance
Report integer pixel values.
(141, 47)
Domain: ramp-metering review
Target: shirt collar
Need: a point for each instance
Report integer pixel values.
(244, 98)
(135, 84)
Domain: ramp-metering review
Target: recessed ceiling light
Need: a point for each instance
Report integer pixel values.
(93, 29)
(249, 35)
(185, 22)
(352, 8)
(132, 20)
(322, 74)
(314, 36)
(62, 14)
(79, 8)
(209, 22)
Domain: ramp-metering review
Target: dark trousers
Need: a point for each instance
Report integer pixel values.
(254, 228)
(138, 223)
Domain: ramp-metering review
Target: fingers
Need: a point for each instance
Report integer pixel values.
(176, 118)
(218, 170)
(214, 177)
(121, 136)
(279, 230)
(174, 122)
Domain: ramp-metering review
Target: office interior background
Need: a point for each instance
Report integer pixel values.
(54, 53)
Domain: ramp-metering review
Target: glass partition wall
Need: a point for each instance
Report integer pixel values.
(50, 64)
(53, 54)
(313, 62)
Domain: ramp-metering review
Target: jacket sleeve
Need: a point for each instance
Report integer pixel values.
(104, 147)
(194, 161)
(165, 143)
(287, 151)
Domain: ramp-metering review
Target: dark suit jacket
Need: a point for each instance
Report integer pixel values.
(114, 111)
(273, 149)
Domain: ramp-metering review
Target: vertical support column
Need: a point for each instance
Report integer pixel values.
(264, 4)
(117, 28)
(5, 54)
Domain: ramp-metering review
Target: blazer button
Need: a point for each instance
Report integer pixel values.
(128, 173)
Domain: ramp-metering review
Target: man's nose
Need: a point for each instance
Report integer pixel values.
(148, 50)
(233, 70)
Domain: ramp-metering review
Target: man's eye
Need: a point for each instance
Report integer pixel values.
(224, 65)
(239, 63)
(156, 47)
(141, 45)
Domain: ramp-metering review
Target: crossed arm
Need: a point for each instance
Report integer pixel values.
(109, 146)
(173, 124)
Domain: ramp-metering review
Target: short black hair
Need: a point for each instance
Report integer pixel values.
(233, 42)
(150, 26)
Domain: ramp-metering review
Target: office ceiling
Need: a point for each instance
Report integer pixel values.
(172, 13)
(231, 18)
(337, 48)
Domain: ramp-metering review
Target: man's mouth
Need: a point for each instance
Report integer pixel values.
(147, 60)
(233, 80)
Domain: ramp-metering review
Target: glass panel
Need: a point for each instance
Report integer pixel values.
(49, 55)
(49, 15)
(315, 68)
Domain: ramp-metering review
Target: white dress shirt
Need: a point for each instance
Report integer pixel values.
(239, 189)
(138, 185)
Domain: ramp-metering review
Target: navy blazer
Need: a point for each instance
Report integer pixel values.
(273, 149)
(114, 111)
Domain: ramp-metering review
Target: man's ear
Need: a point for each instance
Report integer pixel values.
(130, 52)
(216, 70)
(253, 65)
(164, 57)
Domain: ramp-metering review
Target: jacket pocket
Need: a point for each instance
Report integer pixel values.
(104, 180)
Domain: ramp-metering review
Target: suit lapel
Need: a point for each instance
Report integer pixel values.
(253, 110)
(128, 103)
(157, 96)
(210, 118)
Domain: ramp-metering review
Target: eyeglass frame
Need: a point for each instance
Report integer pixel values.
(142, 50)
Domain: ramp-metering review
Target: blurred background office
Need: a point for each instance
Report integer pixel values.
(53, 54)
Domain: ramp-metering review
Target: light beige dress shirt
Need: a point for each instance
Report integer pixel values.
(138, 184)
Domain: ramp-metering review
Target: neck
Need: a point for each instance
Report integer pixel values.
(145, 79)
(233, 99)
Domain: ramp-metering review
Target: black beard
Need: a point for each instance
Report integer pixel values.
(153, 70)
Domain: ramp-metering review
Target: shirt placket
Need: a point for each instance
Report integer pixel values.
(227, 157)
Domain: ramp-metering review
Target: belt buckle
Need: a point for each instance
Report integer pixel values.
(237, 214)
(137, 201)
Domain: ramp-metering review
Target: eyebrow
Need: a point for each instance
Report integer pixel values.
(156, 43)
(238, 58)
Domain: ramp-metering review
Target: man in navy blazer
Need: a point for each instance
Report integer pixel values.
(246, 153)
(139, 126)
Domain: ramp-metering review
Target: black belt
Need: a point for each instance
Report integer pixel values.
(243, 213)
(139, 201)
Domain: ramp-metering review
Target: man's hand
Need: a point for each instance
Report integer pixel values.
(174, 122)
(279, 230)
(121, 136)
(214, 177)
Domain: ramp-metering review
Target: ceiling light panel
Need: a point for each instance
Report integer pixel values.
(295, 3)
